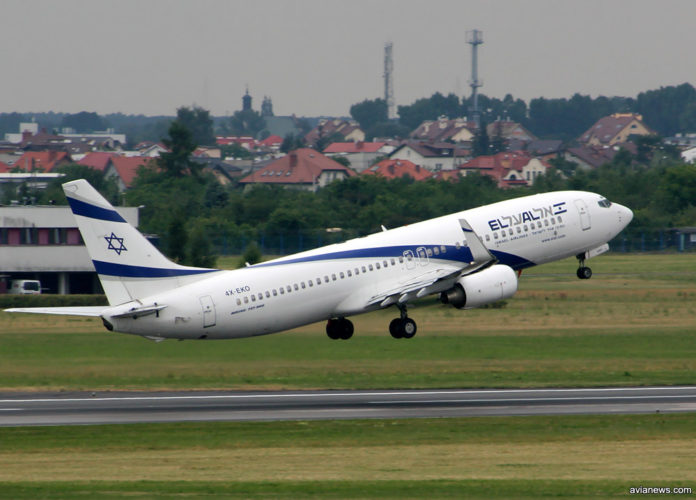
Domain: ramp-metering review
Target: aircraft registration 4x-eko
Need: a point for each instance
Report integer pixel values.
(469, 259)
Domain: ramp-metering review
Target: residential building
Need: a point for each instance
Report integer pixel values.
(615, 129)
(124, 169)
(303, 169)
(395, 169)
(443, 129)
(509, 131)
(434, 157)
(348, 130)
(589, 157)
(41, 161)
(509, 169)
(360, 154)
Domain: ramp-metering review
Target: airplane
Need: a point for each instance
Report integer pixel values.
(469, 259)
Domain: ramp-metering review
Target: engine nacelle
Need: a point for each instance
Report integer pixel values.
(498, 282)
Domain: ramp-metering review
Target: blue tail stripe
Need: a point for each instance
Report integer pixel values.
(94, 212)
(126, 271)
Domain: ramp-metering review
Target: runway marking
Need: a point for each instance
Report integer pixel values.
(348, 394)
(609, 398)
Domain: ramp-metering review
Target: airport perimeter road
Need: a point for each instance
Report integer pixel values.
(132, 407)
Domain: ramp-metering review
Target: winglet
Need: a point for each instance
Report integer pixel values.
(480, 253)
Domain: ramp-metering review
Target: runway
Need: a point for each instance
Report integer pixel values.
(138, 407)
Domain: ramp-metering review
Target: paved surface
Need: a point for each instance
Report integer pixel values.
(130, 407)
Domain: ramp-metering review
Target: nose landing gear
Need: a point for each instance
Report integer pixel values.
(584, 272)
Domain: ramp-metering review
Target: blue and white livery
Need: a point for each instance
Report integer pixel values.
(469, 259)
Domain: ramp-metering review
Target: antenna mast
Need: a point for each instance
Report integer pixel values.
(389, 81)
(475, 38)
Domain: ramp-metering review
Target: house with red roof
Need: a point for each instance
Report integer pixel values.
(272, 142)
(395, 169)
(42, 161)
(303, 169)
(124, 169)
(360, 154)
(4, 167)
(509, 168)
(615, 129)
(248, 143)
(509, 131)
(97, 160)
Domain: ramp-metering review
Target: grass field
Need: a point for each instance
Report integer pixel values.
(509, 457)
(633, 323)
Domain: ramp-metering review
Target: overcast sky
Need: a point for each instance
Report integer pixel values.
(317, 57)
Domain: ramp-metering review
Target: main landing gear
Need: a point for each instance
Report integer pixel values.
(584, 272)
(339, 328)
(402, 327)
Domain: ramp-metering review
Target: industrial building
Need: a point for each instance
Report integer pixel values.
(43, 243)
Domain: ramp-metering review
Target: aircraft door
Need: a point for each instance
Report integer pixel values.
(208, 310)
(409, 259)
(585, 222)
(422, 256)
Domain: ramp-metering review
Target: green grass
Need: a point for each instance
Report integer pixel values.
(631, 324)
(501, 457)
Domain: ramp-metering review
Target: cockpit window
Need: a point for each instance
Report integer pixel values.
(604, 203)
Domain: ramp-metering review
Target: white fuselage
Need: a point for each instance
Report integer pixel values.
(340, 280)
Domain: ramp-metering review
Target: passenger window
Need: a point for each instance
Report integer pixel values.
(553, 220)
(546, 222)
(377, 265)
(288, 288)
(282, 291)
(510, 232)
(488, 237)
(519, 229)
(357, 271)
(436, 251)
(457, 245)
(261, 296)
(370, 267)
(560, 219)
(363, 269)
(239, 302)
(443, 248)
(401, 259)
(253, 298)
(303, 285)
(526, 228)
(296, 287)
(275, 292)
(349, 273)
(311, 283)
(268, 294)
(333, 277)
(326, 279)
(393, 262)
(246, 300)
(428, 252)
(495, 236)
(341, 275)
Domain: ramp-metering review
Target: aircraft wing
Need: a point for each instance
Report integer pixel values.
(438, 279)
(94, 311)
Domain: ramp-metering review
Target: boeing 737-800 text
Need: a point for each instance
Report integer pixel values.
(469, 259)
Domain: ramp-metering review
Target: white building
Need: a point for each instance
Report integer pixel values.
(44, 243)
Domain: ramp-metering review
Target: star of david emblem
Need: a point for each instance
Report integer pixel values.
(118, 246)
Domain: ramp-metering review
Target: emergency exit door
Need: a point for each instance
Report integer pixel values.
(208, 310)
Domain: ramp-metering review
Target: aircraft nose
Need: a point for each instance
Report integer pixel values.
(625, 215)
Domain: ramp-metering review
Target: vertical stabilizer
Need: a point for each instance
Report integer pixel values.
(128, 265)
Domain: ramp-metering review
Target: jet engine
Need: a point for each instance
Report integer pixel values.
(498, 282)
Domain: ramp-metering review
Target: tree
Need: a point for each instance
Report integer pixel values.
(84, 122)
(177, 161)
(247, 123)
(199, 122)
(369, 113)
(481, 144)
(200, 253)
(292, 142)
(177, 239)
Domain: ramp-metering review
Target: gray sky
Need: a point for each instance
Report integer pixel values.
(317, 57)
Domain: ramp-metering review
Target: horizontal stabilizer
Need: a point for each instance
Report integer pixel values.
(137, 312)
(93, 311)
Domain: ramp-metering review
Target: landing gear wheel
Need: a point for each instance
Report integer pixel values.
(340, 328)
(584, 273)
(395, 328)
(402, 328)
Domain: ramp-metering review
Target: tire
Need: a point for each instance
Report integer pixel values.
(408, 328)
(395, 328)
(584, 273)
(345, 328)
(333, 330)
